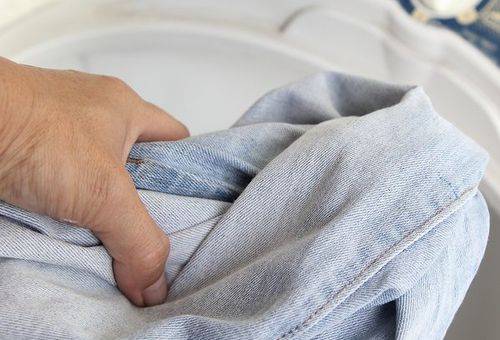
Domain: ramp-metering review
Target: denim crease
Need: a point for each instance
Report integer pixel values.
(336, 207)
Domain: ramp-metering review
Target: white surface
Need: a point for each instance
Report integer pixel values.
(207, 90)
(206, 61)
(449, 7)
(10, 10)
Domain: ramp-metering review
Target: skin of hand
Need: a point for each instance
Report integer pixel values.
(64, 139)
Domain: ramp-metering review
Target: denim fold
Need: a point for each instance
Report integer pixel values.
(336, 207)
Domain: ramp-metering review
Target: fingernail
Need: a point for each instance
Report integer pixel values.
(156, 293)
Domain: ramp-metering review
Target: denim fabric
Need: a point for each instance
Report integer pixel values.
(335, 208)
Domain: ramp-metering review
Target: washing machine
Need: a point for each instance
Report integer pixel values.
(207, 61)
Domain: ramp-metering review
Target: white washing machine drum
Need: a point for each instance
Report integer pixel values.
(207, 61)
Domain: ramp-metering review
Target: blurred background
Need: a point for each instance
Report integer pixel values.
(206, 61)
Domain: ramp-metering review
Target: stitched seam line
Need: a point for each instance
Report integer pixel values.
(190, 146)
(379, 262)
(212, 182)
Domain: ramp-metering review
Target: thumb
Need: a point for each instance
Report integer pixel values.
(139, 248)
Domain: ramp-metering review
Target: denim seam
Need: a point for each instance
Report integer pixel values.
(211, 182)
(152, 180)
(379, 262)
(196, 146)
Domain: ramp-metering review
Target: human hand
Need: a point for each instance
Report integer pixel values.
(64, 139)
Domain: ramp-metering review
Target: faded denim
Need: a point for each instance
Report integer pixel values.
(335, 208)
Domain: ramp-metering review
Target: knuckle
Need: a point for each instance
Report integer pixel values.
(114, 84)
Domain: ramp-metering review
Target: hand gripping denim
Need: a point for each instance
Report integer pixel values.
(335, 208)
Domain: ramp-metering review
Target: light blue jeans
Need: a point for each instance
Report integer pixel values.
(335, 208)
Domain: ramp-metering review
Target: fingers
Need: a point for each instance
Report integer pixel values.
(157, 125)
(139, 248)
